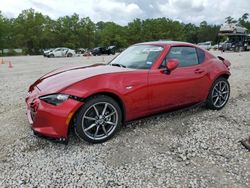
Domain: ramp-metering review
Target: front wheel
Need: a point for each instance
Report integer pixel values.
(219, 94)
(98, 120)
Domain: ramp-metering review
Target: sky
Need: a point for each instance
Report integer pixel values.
(124, 11)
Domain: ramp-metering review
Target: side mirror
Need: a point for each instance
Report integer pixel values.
(171, 65)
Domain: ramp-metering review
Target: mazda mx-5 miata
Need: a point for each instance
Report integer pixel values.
(145, 79)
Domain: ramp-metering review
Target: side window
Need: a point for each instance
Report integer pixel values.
(201, 55)
(187, 56)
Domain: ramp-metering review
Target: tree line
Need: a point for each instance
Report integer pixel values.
(32, 31)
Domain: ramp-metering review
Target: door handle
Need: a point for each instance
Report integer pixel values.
(198, 71)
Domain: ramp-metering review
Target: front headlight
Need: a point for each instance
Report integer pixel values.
(54, 99)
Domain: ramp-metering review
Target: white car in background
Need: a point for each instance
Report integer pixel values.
(232, 28)
(62, 52)
(205, 45)
(47, 51)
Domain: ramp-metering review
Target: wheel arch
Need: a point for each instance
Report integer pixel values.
(116, 98)
(208, 100)
(225, 75)
(109, 94)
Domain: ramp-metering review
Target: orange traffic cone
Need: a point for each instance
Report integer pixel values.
(10, 65)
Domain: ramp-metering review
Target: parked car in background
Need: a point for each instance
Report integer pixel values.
(87, 53)
(217, 46)
(97, 51)
(145, 79)
(111, 50)
(205, 45)
(47, 51)
(61, 52)
(103, 50)
(81, 50)
(232, 28)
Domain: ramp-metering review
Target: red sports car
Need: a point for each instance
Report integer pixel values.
(145, 79)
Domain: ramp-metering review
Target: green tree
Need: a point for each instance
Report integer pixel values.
(33, 31)
(207, 32)
(243, 20)
(191, 33)
(134, 31)
(2, 31)
(230, 20)
(67, 31)
(28, 27)
(112, 34)
(88, 33)
(7, 37)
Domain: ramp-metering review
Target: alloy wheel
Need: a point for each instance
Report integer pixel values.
(99, 120)
(220, 94)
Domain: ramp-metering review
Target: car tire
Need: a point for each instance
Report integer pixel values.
(218, 94)
(98, 119)
(69, 55)
(51, 55)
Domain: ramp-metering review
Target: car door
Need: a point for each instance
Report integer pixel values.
(135, 91)
(57, 52)
(185, 85)
(65, 52)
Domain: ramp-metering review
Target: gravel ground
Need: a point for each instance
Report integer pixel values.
(193, 147)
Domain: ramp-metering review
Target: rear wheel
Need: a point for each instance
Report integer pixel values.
(219, 94)
(51, 55)
(69, 55)
(98, 120)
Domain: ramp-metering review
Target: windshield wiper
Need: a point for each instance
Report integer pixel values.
(118, 65)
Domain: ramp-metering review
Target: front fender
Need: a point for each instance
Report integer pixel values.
(130, 88)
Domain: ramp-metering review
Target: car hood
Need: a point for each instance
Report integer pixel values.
(47, 51)
(59, 79)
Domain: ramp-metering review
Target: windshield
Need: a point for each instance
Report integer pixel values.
(138, 57)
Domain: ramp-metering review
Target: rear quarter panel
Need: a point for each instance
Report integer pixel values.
(216, 68)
